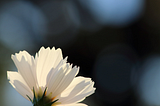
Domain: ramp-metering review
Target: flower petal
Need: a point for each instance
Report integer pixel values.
(53, 71)
(46, 60)
(77, 91)
(61, 79)
(19, 84)
(78, 104)
(26, 67)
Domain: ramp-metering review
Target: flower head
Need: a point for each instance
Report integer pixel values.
(48, 80)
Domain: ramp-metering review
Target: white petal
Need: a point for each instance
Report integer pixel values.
(19, 84)
(61, 79)
(26, 67)
(77, 91)
(66, 81)
(76, 83)
(80, 97)
(54, 71)
(46, 60)
(78, 104)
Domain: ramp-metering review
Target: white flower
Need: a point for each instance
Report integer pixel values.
(48, 80)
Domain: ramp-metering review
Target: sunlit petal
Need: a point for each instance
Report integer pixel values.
(19, 84)
(77, 91)
(62, 79)
(26, 67)
(46, 60)
(78, 104)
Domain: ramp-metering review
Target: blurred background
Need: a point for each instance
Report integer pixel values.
(115, 42)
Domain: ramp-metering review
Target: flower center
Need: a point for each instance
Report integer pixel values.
(41, 99)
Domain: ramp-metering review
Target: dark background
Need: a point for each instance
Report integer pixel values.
(115, 42)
